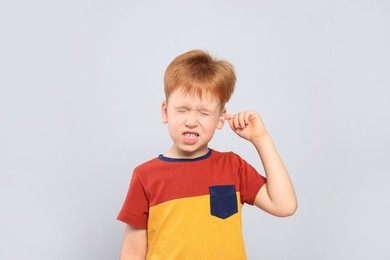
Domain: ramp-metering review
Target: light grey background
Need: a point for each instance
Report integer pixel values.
(81, 88)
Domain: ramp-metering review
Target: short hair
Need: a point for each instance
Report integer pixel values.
(196, 72)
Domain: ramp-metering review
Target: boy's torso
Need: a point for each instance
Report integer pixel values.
(195, 206)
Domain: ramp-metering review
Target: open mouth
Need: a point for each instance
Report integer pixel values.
(191, 135)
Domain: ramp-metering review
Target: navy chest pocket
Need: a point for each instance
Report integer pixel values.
(223, 201)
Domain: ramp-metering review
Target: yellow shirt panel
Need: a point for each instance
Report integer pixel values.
(184, 229)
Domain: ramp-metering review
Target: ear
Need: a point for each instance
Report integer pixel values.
(221, 120)
(164, 112)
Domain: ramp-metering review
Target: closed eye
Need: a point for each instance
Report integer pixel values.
(182, 110)
(205, 113)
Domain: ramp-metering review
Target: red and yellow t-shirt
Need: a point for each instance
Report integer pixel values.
(192, 207)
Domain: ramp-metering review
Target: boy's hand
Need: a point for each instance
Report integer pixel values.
(248, 125)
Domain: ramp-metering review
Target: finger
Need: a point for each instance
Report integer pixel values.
(249, 116)
(228, 117)
(236, 121)
(231, 124)
(252, 116)
(241, 119)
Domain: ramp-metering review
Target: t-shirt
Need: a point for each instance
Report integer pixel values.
(191, 208)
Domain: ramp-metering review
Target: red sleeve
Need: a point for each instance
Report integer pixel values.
(250, 182)
(135, 209)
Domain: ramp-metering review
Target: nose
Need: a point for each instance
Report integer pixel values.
(192, 119)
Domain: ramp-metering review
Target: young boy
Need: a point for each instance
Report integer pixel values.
(186, 204)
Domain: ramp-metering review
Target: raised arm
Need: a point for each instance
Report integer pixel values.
(277, 196)
(134, 244)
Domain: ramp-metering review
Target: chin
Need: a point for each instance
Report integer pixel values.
(193, 153)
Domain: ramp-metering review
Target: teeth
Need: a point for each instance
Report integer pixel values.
(190, 135)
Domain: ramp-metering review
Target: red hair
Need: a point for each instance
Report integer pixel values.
(196, 72)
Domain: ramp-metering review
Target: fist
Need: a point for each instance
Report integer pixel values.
(247, 124)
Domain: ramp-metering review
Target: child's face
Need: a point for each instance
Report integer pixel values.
(191, 123)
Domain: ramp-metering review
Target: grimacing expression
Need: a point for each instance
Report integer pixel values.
(192, 121)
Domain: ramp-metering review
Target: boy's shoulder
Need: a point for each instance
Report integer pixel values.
(224, 155)
(150, 164)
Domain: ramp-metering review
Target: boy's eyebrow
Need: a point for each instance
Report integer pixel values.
(206, 110)
(181, 107)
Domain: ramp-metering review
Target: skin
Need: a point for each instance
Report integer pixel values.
(192, 122)
(189, 114)
(134, 245)
(277, 196)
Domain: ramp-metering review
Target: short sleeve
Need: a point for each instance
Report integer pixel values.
(250, 182)
(135, 209)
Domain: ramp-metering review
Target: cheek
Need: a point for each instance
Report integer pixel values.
(210, 124)
(174, 123)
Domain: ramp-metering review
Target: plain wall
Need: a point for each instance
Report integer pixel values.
(81, 88)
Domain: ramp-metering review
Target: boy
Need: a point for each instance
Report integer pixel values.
(186, 204)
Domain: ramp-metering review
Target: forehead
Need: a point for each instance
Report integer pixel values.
(193, 100)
